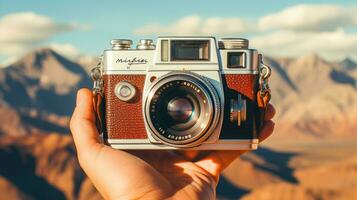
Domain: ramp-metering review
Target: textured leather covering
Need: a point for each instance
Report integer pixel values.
(124, 120)
(242, 83)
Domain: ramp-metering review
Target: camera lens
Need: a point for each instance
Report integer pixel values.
(182, 109)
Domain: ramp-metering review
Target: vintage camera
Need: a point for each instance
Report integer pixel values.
(182, 93)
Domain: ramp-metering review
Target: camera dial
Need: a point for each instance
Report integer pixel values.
(145, 44)
(233, 43)
(125, 91)
(121, 44)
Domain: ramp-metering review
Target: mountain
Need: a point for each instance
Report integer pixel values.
(348, 64)
(41, 89)
(328, 181)
(42, 166)
(314, 97)
(257, 169)
(11, 121)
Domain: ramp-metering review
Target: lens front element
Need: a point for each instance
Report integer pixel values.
(182, 108)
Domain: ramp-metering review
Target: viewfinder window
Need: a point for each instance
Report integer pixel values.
(236, 60)
(189, 50)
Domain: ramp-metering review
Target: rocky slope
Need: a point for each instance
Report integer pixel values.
(39, 92)
(329, 182)
(314, 97)
(42, 166)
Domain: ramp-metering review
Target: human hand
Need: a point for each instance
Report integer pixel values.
(148, 174)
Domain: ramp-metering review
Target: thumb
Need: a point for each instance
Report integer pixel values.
(82, 124)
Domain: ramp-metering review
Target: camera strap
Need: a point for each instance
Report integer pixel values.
(98, 105)
(264, 93)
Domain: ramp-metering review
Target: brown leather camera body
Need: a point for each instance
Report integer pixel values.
(125, 120)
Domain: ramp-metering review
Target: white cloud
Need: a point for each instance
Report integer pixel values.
(20, 32)
(310, 18)
(298, 18)
(196, 25)
(334, 45)
(292, 31)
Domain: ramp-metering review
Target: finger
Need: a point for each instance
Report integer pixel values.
(270, 112)
(266, 131)
(154, 157)
(188, 155)
(82, 123)
(217, 161)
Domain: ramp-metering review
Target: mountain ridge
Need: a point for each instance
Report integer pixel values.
(315, 108)
(42, 84)
(40, 90)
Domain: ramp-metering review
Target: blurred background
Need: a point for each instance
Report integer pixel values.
(47, 49)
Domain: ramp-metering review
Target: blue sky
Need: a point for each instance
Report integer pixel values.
(93, 23)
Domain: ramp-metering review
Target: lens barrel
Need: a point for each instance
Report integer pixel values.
(182, 109)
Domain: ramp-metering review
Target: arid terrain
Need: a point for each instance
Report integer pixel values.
(311, 155)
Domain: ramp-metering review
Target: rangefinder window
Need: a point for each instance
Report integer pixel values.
(190, 50)
(165, 50)
(236, 60)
